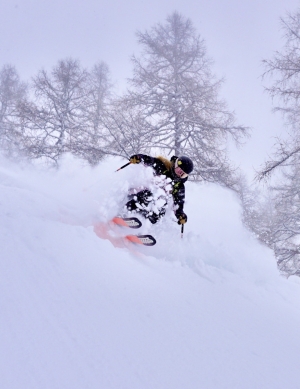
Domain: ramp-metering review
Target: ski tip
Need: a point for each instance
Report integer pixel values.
(120, 221)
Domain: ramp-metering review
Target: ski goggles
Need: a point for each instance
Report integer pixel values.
(179, 172)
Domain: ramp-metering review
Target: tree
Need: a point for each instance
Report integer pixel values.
(275, 220)
(285, 91)
(280, 229)
(93, 138)
(259, 213)
(286, 228)
(127, 130)
(174, 90)
(55, 118)
(65, 116)
(12, 93)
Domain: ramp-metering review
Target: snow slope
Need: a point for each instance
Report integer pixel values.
(207, 311)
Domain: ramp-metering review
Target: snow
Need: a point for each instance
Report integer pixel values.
(207, 311)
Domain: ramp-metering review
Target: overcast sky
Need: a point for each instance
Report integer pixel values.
(238, 35)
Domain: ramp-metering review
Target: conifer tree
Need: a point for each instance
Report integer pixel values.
(175, 91)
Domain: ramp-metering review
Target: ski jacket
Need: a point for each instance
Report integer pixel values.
(160, 168)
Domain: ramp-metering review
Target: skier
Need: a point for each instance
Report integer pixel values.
(177, 170)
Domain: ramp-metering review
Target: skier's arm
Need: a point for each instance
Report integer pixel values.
(179, 198)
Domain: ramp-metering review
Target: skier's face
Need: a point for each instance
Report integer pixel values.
(179, 172)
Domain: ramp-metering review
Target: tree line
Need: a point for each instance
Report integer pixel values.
(57, 112)
(274, 214)
(171, 106)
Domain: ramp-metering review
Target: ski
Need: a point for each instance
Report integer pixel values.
(146, 240)
(102, 230)
(131, 222)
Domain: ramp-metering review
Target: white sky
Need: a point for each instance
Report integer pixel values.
(238, 34)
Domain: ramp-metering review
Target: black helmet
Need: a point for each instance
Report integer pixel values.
(185, 163)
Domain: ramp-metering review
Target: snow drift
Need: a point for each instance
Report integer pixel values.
(206, 311)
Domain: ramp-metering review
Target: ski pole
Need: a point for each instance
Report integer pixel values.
(182, 228)
(122, 167)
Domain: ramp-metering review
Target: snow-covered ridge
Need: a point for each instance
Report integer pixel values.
(206, 311)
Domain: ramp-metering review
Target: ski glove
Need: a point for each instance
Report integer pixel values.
(135, 159)
(182, 218)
